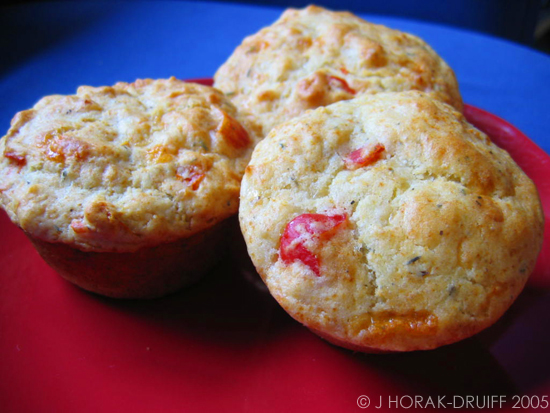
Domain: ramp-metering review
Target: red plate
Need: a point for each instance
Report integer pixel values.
(225, 345)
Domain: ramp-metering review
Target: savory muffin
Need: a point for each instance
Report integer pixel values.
(314, 57)
(389, 223)
(124, 189)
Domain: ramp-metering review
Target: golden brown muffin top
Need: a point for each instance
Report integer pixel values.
(117, 168)
(388, 222)
(314, 57)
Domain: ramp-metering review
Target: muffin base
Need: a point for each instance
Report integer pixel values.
(149, 272)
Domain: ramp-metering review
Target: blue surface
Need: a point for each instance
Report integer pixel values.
(52, 48)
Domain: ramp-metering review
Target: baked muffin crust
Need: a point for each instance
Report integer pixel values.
(388, 223)
(123, 167)
(314, 57)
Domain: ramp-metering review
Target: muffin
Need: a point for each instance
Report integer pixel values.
(389, 223)
(124, 190)
(314, 57)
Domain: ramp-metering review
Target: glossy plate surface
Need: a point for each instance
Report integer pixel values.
(225, 345)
